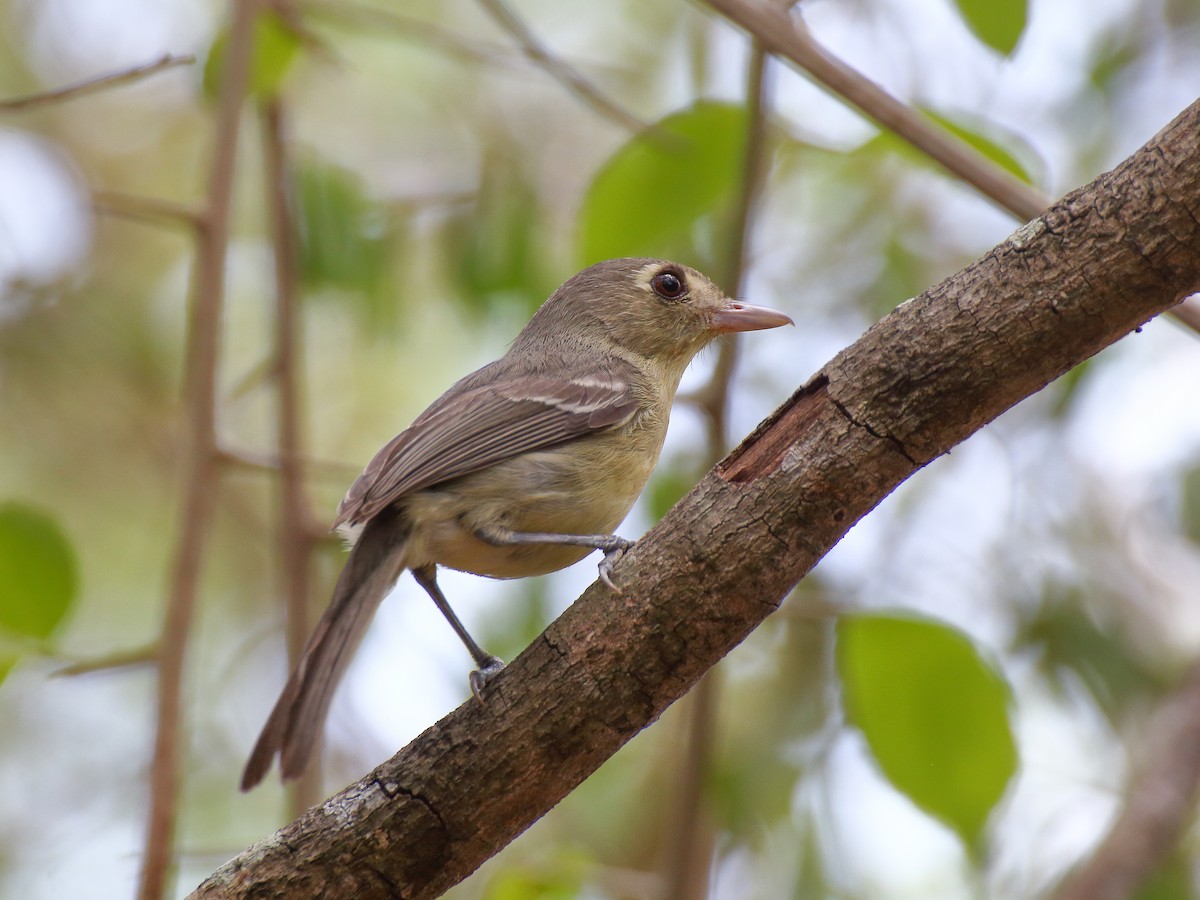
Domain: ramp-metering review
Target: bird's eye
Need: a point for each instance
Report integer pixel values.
(669, 286)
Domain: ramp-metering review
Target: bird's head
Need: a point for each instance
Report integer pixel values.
(659, 310)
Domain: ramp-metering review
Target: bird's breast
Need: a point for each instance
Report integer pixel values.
(584, 487)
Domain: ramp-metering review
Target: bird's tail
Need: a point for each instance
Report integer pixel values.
(295, 723)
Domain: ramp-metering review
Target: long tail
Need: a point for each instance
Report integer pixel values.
(292, 729)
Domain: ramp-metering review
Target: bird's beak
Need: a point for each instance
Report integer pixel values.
(734, 315)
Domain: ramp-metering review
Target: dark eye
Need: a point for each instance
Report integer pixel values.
(669, 286)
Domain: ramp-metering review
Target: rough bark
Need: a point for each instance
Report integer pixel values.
(1093, 268)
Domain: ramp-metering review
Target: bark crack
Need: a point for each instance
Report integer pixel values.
(894, 441)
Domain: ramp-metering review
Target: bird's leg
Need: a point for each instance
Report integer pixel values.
(612, 546)
(489, 665)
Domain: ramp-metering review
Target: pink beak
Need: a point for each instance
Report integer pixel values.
(738, 316)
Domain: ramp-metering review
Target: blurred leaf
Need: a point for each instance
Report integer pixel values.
(671, 481)
(655, 194)
(7, 663)
(772, 719)
(973, 130)
(1068, 642)
(997, 23)
(1066, 389)
(933, 712)
(560, 878)
(1111, 57)
(38, 572)
(1190, 506)
(275, 46)
(903, 276)
(495, 248)
(1170, 881)
(346, 238)
(972, 133)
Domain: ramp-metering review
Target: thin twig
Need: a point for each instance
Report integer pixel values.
(782, 34)
(688, 870)
(574, 80)
(120, 659)
(268, 464)
(202, 469)
(712, 398)
(771, 23)
(295, 546)
(99, 83)
(1160, 804)
(145, 209)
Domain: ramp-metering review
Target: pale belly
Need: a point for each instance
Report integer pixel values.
(551, 491)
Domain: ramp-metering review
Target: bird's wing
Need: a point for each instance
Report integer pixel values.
(480, 422)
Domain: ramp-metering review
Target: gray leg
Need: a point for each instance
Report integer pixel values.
(489, 665)
(611, 545)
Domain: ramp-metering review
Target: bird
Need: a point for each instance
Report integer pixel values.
(521, 468)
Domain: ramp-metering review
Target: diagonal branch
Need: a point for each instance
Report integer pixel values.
(1094, 268)
(786, 37)
(1160, 803)
(574, 80)
(99, 83)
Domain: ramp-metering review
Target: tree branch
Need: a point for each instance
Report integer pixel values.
(200, 487)
(1161, 801)
(1093, 268)
(560, 70)
(99, 83)
(693, 834)
(783, 35)
(294, 532)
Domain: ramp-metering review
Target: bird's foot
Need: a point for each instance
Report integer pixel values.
(488, 670)
(613, 553)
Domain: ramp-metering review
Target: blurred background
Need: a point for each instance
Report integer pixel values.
(443, 182)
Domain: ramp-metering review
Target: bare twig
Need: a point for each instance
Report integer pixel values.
(688, 869)
(295, 543)
(268, 464)
(574, 80)
(121, 659)
(771, 23)
(99, 83)
(145, 209)
(712, 397)
(200, 490)
(783, 35)
(1161, 802)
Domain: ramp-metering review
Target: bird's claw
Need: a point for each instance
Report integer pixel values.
(485, 673)
(611, 556)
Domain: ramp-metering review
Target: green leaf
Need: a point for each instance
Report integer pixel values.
(672, 481)
(38, 572)
(668, 191)
(971, 130)
(275, 46)
(7, 663)
(346, 238)
(972, 133)
(997, 23)
(1070, 648)
(933, 713)
(560, 877)
(495, 248)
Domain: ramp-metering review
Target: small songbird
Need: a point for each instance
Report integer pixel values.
(521, 468)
